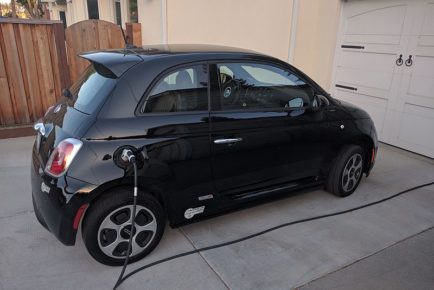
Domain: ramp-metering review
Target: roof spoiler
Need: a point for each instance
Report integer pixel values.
(112, 63)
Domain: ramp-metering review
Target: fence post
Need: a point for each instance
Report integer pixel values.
(59, 37)
(134, 33)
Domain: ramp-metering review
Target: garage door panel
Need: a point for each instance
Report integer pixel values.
(373, 39)
(416, 127)
(428, 21)
(357, 77)
(420, 86)
(425, 44)
(399, 97)
(423, 65)
(387, 20)
(421, 91)
(365, 92)
(425, 34)
(363, 98)
(376, 107)
(374, 62)
(427, 102)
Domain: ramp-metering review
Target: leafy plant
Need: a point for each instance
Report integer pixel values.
(33, 7)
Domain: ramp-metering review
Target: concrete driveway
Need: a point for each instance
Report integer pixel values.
(31, 258)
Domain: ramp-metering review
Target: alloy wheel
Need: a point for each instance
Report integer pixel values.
(115, 230)
(352, 172)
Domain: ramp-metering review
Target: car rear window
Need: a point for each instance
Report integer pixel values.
(90, 90)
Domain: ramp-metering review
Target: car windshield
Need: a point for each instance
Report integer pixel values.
(90, 90)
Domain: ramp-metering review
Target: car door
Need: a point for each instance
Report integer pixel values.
(175, 118)
(263, 133)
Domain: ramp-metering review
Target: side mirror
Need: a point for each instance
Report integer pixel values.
(323, 100)
(318, 102)
(315, 105)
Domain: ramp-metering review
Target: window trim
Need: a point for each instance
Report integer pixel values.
(249, 61)
(140, 111)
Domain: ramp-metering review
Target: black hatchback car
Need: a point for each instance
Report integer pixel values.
(218, 128)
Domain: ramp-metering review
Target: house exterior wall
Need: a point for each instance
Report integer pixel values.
(151, 16)
(54, 13)
(77, 11)
(315, 39)
(255, 25)
(106, 9)
(302, 32)
(308, 40)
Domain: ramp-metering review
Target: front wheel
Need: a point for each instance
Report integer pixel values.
(346, 171)
(107, 226)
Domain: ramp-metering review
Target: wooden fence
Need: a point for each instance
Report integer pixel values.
(90, 35)
(35, 63)
(33, 68)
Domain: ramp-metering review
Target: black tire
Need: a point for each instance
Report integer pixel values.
(108, 204)
(336, 180)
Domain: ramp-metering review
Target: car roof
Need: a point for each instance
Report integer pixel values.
(120, 60)
(171, 49)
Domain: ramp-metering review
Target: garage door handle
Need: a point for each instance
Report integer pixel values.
(409, 61)
(227, 141)
(399, 61)
(346, 87)
(353, 46)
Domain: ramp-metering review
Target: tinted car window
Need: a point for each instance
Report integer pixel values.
(90, 90)
(258, 86)
(182, 90)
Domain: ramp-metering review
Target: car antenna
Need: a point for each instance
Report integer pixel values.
(127, 45)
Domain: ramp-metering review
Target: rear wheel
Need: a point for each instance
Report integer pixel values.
(107, 226)
(346, 171)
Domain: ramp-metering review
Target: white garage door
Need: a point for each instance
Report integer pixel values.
(385, 64)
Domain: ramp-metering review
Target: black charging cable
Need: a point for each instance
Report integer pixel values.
(122, 279)
(128, 156)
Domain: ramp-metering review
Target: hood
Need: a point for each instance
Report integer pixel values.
(353, 110)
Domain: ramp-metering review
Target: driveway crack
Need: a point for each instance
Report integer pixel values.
(205, 260)
(16, 214)
(362, 258)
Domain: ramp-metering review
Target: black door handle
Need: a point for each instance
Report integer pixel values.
(399, 61)
(227, 140)
(353, 46)
(409, 61)
(346, 87)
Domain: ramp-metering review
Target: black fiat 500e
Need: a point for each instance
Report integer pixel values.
(218, 127)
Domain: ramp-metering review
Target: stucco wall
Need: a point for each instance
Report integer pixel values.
(315, 40)
(262, 26)
(106, 10)
(54, 13)
(150, 16)
(77, 11)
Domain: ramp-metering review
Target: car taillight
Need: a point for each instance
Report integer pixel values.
(62, 156)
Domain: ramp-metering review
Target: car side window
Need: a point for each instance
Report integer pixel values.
(182, 90)
(259, 86)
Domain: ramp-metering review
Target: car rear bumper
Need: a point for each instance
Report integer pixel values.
(56, 201)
